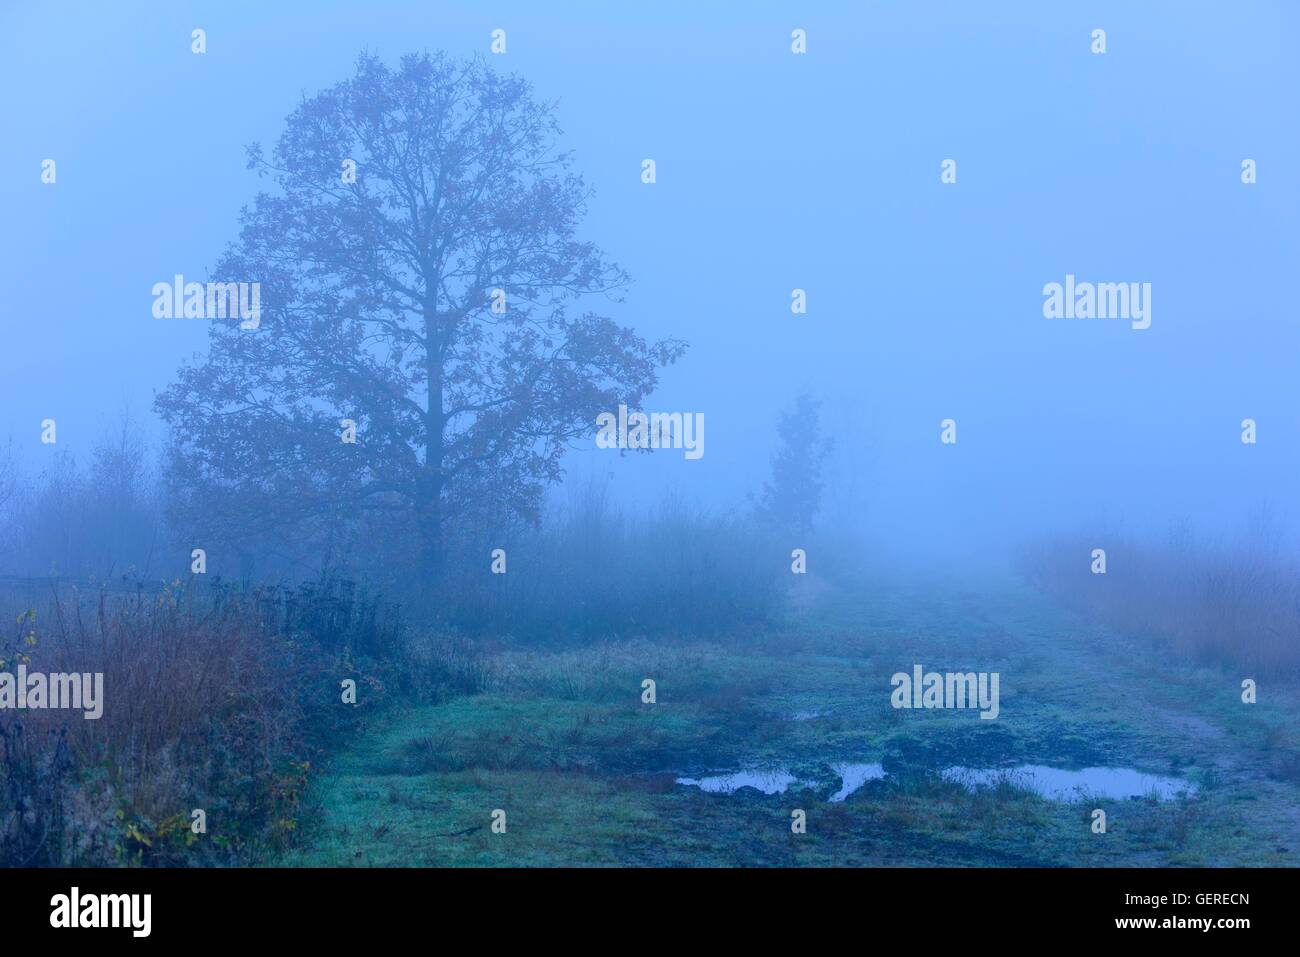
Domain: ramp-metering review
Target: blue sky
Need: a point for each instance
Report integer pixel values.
(775, 171)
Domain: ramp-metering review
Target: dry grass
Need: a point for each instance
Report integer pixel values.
(209, 702)
(1235, 604)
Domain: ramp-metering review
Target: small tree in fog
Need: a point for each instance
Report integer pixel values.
(8, 475)
(75, 518)
(793, 495)
(420, 273)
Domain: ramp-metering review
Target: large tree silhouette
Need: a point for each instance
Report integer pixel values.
(378, 303)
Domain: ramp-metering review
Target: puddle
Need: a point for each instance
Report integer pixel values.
(769, 782)
(1054, 784)
(852, 777)
(1057, 784)
(808, 715)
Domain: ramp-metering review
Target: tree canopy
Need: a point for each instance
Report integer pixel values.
(422, 276)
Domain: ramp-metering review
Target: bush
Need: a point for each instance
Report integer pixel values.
(77, 520)
(216, 699)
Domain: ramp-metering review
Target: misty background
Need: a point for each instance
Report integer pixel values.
(318, 643)
(775, 172)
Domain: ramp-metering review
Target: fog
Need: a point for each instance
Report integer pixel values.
(822, 173)
(960, 338)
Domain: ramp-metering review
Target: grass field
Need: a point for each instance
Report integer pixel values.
(587, 774)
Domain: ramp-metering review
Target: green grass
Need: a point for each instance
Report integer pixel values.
(585, 772)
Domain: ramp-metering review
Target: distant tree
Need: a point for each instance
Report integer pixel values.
(8, 474)
(124, 500)
(102, 518)
(430, 298)
(8, 501)
(793, 495)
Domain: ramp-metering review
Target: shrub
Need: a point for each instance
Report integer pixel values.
(215, 698)
(591, 572)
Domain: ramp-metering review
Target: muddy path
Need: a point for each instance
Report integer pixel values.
(586, 772)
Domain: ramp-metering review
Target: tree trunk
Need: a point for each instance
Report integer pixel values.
(433, 551)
